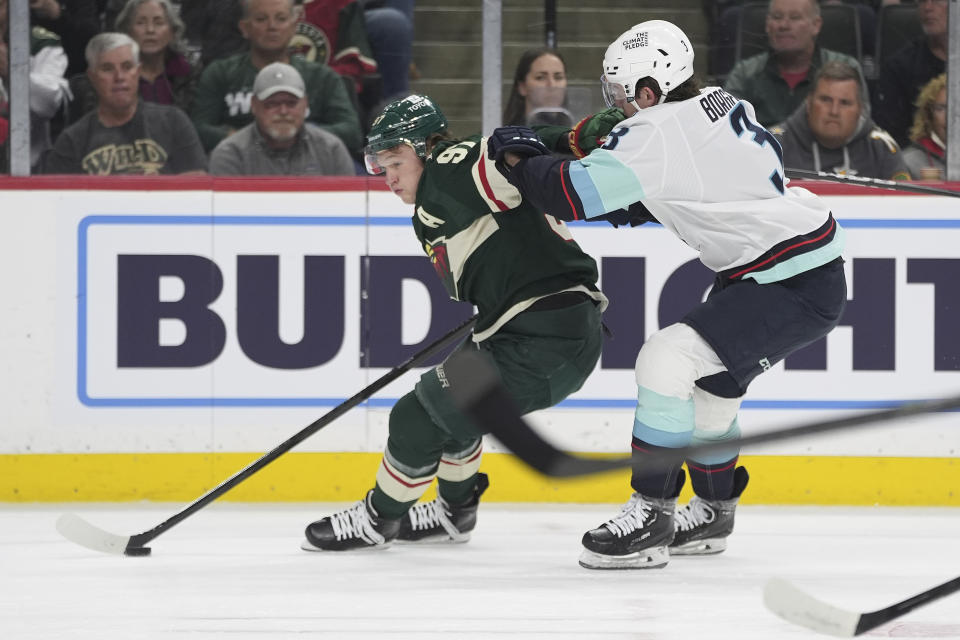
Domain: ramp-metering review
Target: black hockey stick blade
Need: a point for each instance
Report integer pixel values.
(862, 181)
(798, 607)
(479, 393)
(77, 530)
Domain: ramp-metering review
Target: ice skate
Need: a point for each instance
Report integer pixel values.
(358, 527)
(635, 539)
(702, 526)
(438, 521)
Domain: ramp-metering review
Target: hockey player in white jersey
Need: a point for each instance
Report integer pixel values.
(697, 162)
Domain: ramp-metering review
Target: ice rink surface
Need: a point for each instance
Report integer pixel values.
(236, 571)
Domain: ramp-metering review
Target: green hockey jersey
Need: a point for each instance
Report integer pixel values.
(488, 246)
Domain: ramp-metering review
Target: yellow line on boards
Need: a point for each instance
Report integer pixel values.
(345, 477)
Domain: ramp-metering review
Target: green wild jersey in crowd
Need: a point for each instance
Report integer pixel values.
(488, 246)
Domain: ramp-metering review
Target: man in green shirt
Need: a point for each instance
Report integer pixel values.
(280, 141)
(777, 81)
(538, 324)
(222, 103)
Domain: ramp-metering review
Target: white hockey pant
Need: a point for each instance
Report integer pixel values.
(670, 363)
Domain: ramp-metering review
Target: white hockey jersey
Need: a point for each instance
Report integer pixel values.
(709, 173)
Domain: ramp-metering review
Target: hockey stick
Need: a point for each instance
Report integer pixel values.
(794, 605)
(862, 181)
(478, 392)
(78, 530)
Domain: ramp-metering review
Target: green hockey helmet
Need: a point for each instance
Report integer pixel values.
(408, 121)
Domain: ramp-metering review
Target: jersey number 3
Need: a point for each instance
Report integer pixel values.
(741, 122)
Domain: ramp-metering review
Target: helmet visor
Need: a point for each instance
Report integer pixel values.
(370, 153)
(370, 162)
(614, 94)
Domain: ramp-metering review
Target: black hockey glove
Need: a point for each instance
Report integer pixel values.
(635, 215)
(519, 140)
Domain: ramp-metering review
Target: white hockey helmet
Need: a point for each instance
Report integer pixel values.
(655, 48)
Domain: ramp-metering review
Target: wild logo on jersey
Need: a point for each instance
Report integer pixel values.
(311, 43)
(142, 157)
(437, 252)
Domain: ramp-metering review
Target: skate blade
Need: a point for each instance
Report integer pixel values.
(306, 545)
(431, 540)
(652, 558)
(708, 547)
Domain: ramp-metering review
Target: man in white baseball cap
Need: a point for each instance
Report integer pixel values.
(279, 141)
(277, 77)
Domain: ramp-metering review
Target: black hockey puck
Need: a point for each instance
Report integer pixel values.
(136, 551)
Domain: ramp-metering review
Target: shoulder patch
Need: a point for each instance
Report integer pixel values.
(879, 134)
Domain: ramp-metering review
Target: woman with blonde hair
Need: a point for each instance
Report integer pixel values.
(926, 155)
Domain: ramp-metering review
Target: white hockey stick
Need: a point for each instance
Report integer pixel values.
(798, 607)
(73, 527)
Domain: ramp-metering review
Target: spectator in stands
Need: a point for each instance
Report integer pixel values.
(124, 135)
(725, 18)
(222, 103)
(926, 157)
(382, 30)
(390, 31)
(832, 130)
(278, 141)
(777, 81)
(907, 71)
(166, 77)
(165, 74)
(74, 21)
(333, 33)
(538, 94)
(49, 90)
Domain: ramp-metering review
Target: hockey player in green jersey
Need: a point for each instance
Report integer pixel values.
(538, 323)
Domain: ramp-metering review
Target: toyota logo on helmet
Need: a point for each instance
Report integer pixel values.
(408, 121)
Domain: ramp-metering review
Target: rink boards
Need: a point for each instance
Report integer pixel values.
(159, 336)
